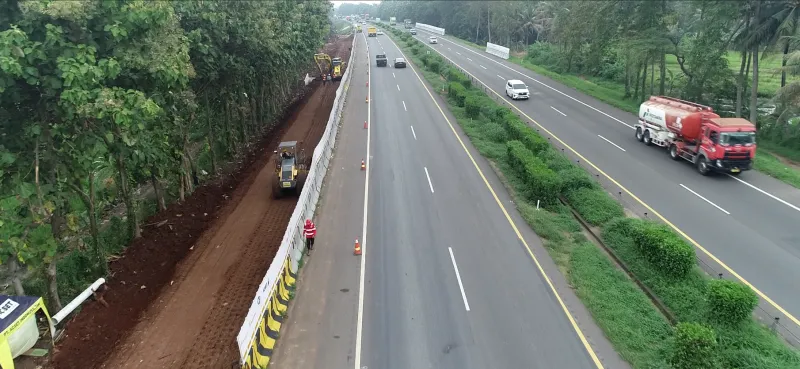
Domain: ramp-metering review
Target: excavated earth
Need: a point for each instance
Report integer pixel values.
(178, 295)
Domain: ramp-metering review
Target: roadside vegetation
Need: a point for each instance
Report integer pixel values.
(740, 57)
(715, 327)
(103, 103)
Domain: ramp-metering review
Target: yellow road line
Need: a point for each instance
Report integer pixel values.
(652, 211)
(572, 321)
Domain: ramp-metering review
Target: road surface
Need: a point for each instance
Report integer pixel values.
(748, 223)
(447, 282)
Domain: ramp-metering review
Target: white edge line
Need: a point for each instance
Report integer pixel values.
(609, 141)
(415, 135)
(404, 106)
(559, 111)
(429, 179)
(360, 320)
(541, 83)
(767, 193)
(458, 277)
(705, 199)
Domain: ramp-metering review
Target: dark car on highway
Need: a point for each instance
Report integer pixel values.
(399, 63)
(381, 60)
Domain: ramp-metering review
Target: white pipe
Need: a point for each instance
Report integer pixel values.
(77, 301)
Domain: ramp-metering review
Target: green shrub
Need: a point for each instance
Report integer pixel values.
(453, 74)
(494, 132)
(518, 130)
(594, 205)
(730, 302)
(542, 184)
(573, 177)
(695, 347)
(500, 114)
(434, 66)
(472, 106)
(457, 92)
(663, 248)
(557, 161)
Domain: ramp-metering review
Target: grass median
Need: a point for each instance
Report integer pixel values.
(716, 328)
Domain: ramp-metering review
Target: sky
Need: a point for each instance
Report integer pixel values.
(337, 3)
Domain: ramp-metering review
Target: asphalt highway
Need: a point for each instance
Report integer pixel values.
(748, 223)
(448, 283)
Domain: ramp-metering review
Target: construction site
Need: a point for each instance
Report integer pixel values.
(178, 296)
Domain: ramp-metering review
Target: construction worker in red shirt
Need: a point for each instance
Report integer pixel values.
(310, 232)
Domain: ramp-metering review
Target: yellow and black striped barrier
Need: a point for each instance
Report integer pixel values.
(270, 324)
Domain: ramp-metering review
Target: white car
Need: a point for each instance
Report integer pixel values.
(516, 89)
(380, 32)
(433, 40)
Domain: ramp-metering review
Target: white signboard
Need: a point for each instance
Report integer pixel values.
(7, 308)
(429, 28)
(497, 50)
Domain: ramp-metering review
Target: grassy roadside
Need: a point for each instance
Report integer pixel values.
(666, 264)
(612, 93)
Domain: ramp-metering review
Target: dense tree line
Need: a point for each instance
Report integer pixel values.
(98, 98)
(632, 43)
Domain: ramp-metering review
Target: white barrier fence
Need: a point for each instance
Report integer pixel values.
(497, 50)
(292, 245)
(429, 28)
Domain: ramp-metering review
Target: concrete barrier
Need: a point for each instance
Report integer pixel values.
(429, 28)
(497, 50)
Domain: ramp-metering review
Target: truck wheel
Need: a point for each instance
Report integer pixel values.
(646, 139)
(673, 152)
(702, 166)
(639, 135)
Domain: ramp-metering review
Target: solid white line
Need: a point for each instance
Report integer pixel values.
(483, 67)
(398, 87)
(404, 106)
(705, 199)
(429, 179)
(415, 137)
(458, 277)
(767, 193)
(360, 319)
(609, 141)
(542, 83)
(393, 75)
(501, 77)
(559, 111)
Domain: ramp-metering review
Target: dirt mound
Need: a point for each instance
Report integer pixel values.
(166, 312)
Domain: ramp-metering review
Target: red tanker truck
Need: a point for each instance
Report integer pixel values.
(695, 133)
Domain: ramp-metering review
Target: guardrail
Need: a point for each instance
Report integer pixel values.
(257, 335)
(497, 50)
(429, 28)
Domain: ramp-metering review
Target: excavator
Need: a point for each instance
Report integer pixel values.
(327, 65)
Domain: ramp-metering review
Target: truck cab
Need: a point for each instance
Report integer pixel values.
(726, 145)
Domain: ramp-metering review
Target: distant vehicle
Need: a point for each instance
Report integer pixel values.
(433, 40)
(695, 133)
(413, 31)
(372, 31)
(392, 21)
(399, 63)
(516, 89)
(380, 32)
(380, 60)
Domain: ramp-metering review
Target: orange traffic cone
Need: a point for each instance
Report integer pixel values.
(357, 248)
(363, 166)
(365, 124)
